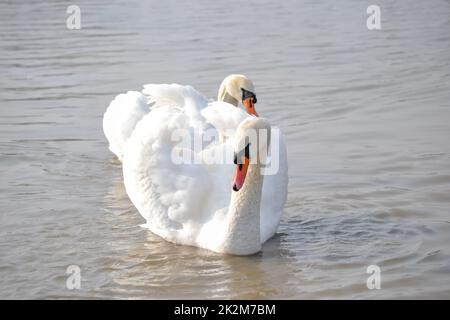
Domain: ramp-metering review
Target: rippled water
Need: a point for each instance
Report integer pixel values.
(366, 114)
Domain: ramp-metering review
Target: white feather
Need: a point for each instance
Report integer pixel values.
(119, 120)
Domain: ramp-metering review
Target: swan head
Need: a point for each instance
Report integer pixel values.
(238, 88)
(252, 142)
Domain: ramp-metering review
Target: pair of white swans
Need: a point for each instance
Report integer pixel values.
(198, 204)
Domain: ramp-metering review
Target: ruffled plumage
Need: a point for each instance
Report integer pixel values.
(184, 203)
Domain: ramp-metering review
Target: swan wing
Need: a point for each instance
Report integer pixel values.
(121, 117)
(224, 117)
(183, 97)
(127, 109)
(167, 193)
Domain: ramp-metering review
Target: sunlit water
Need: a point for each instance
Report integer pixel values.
(366, 115)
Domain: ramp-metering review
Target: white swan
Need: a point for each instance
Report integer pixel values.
(195, 204)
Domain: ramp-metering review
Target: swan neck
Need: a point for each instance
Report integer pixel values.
(243, 225)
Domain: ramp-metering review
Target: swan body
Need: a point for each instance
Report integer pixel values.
(194, 203)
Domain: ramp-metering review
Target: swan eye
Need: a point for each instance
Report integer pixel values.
(248, 94)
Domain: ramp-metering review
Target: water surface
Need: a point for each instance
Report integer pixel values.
(366, 115)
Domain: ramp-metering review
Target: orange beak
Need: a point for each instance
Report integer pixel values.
(250, 106)
(240, 173)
